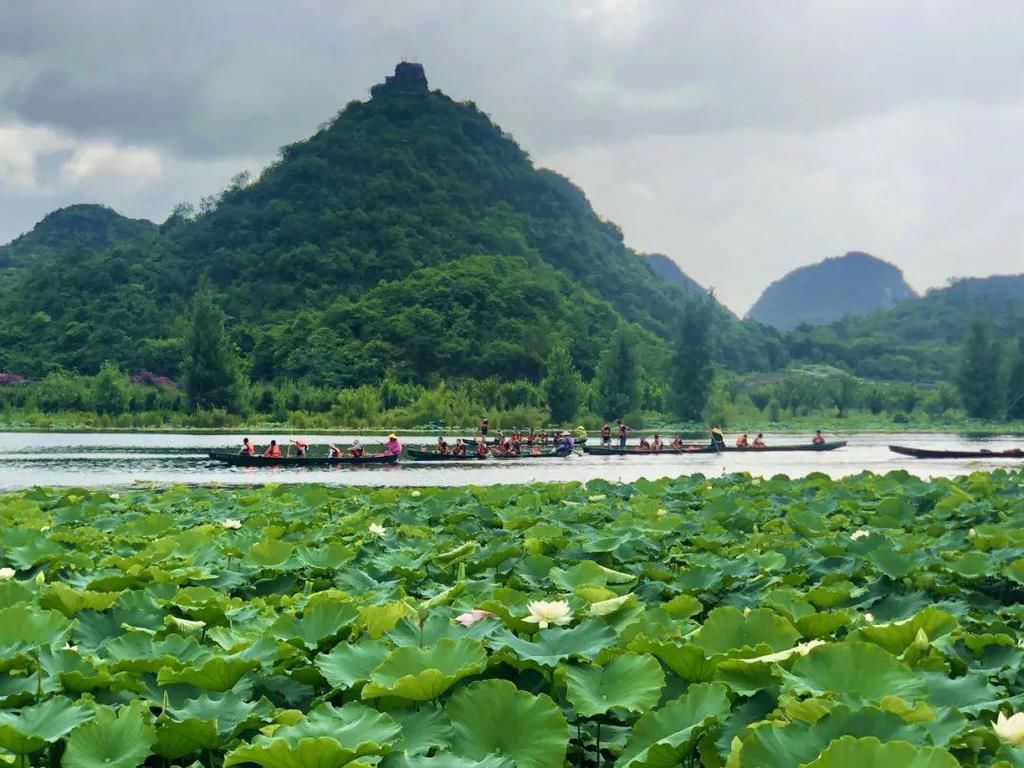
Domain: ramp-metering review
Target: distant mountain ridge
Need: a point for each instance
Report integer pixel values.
(672, 274)
(843, 286)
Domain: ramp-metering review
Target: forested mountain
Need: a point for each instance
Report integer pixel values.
(408, 235)
(919, 339)
(94, 227)
(672, 274)
(843, 286)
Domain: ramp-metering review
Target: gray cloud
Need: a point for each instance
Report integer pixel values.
(743, 138)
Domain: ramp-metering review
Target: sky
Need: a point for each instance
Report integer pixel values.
(741, 138)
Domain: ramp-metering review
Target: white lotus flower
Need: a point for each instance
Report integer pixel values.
(869, 618)
(662, 512)
(416, 494)
(971, 533)
(597, 497)
(115, 495)
(544, 613)
(231, 524)
(70, 647)
(1010, 729)
(7, 573)
(377, 529)
(859, 534)
(469, 618)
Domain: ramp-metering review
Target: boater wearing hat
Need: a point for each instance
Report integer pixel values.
(392, 447)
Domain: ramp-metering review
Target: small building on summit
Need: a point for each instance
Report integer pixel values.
(408, 78)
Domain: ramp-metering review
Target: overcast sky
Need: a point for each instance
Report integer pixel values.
(742, 139)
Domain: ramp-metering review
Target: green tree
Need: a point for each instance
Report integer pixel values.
(616, 387)
(1015, 384)
(60, 391)
(845, 393)
(692, 372)
(562, 385)
(978, 378)
(212, 371)
(110, 390)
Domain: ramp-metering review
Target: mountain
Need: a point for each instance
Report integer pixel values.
(918, 339)
(95, 227)
(672, 274)
(409, 236)
(843, 286)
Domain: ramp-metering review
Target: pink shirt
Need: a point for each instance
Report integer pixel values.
(392, 448)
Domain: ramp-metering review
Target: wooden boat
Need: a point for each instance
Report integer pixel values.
(527, 455)
(927, 453)
(435, 456)
(701, 448)
(243, 460)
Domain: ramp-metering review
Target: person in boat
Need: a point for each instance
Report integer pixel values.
(742, 441)
(460, 447)
(481, 448)
(273, 451)
(392, 447)
(759, 440)
(819, 439)
(333, 451)
(248, 449)
(623, 431)
(485, 427)
(515, 447)
(677, 444)
(301, 448)
(356, 449)
(544, 437)
(531, 438)
(442, 446)
(566, 445)
(645, 445)
(580, 434)
(657, 445)
(717, 438)
(606, 436)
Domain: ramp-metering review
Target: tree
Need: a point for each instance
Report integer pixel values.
(212, 371)
(110, 390)
(844, 393)
(978, 378)
(616, 391)
(1015, 384)
(562, 385)
(692, 373)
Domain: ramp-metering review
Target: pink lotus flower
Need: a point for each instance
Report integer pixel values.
(470, 618)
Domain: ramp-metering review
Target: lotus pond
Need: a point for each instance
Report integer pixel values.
(729, 622)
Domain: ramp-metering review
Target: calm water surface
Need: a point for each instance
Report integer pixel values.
(91, 460)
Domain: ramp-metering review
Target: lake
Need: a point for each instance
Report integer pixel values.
(104, 459)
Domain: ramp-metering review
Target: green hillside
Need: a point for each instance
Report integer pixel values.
(409, 234)
(918, 339)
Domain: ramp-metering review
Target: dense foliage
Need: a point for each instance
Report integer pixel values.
(873, 621)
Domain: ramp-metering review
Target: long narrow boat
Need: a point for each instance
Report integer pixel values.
(242, 460)
(928, 453)
(705, 448)
(523, 456)
(435, 456)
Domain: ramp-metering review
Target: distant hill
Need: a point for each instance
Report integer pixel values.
(91, 226)
(672, 274)
(843, 286)
(409, 236)
(918, 339)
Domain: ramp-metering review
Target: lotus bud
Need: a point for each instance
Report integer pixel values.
(6, 574)
(416, 494)
(971, 533)
(662, 512)
(1010, 730)
(869, 618)
(40, 578)
(921, 641)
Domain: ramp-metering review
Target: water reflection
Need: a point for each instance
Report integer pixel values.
(28, 459)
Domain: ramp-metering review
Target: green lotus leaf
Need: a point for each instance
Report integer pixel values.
(268, 554)
(70, 601)
(326, 557)
(13, 592)
(631, 682)
(446, 760)
(682, 607)
(378, 620)
(971, 693)
(140, 652)
(894, 564)
(34, 727)
(320, 752)
(176, 739)
(25, 548)
(855, 672)
(747, 678)
(438, 625)
(611, 605)
(219, 673)
(229, 710)
(688, 661)
(973, 565)
(25, 628)
(896, 637)
(872, 753)
(423, 674)
(664, 737)
(424, 730)
(111, 740)
(351, 663)
(585, 641)
(728, 629)
(587, 572)
(319, 623)
(494, 718)
(797, 742)
(365, 731)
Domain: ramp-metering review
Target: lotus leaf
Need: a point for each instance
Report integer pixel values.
(584, 641)
(871, 753)
(423, 674)
(34, 727)
(219, 673)
(176, 739)
(728, 629)
(630, 682)
(855, 672)
(492, 718)
(351, 663)
(119, 739)
(424, 730)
